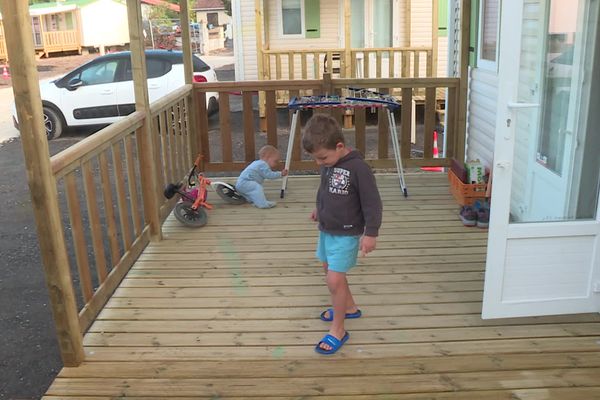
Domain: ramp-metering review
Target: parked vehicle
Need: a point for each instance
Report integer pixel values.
(101, 91)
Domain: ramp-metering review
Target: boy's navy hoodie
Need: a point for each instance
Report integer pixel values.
(348, 201)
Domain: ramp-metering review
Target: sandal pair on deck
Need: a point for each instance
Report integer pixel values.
(331, 340)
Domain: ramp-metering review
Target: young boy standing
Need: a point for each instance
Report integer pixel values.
(349, 214)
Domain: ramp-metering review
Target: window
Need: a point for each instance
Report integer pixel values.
(301, 18)
(212, 19)
(291, 17)
(154, 68)
(382, 23)
(443, 17)
(488, 34)
(99, 73)
(357, 15)
(69, 21)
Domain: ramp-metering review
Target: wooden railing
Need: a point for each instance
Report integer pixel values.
(372, 141)
(60, 41)
(175, 149)
(104, 182)
(106, 161)
(388, 62)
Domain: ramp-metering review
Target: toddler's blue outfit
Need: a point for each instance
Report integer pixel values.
(249, 184)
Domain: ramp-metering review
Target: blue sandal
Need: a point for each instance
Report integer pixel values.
(356, 314)
(332, 341)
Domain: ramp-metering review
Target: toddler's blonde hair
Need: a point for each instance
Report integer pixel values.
(267, 151)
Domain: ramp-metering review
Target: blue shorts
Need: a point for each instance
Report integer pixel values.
(339, 252)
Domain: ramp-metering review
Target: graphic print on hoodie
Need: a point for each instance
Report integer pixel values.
(348, 202)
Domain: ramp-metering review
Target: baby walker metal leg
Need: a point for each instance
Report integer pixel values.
(396, 146)
(288, 156)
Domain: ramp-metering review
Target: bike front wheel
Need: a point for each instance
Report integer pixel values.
(185, 213)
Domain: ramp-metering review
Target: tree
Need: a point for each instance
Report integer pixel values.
(227, 4)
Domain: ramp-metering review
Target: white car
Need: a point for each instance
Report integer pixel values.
(101, 91)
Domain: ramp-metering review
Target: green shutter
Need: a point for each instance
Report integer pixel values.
(443, 18)
(473, 33)
(69, 21)
(312, 19)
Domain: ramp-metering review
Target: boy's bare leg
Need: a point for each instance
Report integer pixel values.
(350, 304)
(340, 293)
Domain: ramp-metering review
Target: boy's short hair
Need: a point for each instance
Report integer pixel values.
(267, 150)
(322, 131)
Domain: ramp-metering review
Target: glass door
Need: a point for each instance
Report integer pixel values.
(544, 240)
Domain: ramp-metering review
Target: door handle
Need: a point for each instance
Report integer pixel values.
(107, 91)
(154, 86)
(516, 104)
(503, 164)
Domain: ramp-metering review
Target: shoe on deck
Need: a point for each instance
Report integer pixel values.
(468, 216)
(333, 342)
(483, 217)
(356, 314)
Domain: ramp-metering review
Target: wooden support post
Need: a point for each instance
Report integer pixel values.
(408, 12)
(42, 184)
(148, 143)
(188, 70)
(434, 37)
(461, 120)
(347, 39)
(259, 22)
(327, 84)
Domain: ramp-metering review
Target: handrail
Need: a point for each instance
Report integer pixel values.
(258, 85)
(396, 82)
(167, 100)
(341, 49)
(64, 161)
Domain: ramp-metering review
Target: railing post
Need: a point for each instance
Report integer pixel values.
(461, 121)
(347, 42)
(42, 184)
(260, 62)
(188, 68)
(327, 84)
(148, 143)
(434, 37)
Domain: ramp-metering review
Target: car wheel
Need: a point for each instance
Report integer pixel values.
(213, 106)
(53, 123)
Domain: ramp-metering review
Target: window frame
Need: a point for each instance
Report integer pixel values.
(280, 27)
(482, 62)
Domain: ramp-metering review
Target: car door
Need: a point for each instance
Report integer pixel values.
(90, 96)
(156, 69)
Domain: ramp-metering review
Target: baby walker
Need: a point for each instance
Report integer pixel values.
(189, 210)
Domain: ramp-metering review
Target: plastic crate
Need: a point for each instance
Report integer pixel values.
(465, 194)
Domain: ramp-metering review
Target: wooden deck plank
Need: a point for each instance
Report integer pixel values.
(314, 324)
(572, 393)
(274, 367)
(360, 337)
(288, 302)
(362, 385)
(354, 350)
(230, 311)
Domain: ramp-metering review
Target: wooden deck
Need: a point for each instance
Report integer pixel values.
(230, 311)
